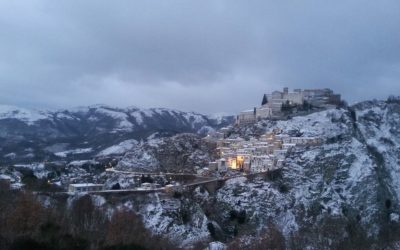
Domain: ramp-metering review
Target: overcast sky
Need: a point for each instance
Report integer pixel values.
(206, 56)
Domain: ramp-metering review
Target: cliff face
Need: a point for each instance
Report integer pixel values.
(179, 153)
(343, 194)
(346, 188)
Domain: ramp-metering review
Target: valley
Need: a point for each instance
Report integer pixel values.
(341, 190)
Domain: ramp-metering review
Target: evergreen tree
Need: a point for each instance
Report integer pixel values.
(211, 229)
(264, 100)
(116, 186)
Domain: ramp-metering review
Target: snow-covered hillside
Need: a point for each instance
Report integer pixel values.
(343, 194)
(351, 182)
(25, 115)
(84, 132)
(180, 153)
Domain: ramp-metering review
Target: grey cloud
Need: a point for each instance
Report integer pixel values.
(206, 56)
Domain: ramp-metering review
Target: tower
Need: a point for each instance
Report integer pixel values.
(285, 90)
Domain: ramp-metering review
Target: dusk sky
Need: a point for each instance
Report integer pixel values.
(206, 56)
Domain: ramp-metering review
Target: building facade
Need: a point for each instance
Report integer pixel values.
(319, 98)
(84, 187)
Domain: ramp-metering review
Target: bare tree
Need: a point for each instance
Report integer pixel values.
(27, 216)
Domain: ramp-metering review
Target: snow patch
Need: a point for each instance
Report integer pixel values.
(27, 116)
(64, 154)
(119, 149)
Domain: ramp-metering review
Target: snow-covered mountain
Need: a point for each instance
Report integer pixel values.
(35, 135)
(343, 194)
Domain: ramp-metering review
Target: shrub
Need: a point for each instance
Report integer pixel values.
(211, 229)
(116, 186)
(388, 203)
(241, 217)
(283, 188)
(233, 214)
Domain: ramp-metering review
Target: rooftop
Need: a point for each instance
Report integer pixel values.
(85, 185)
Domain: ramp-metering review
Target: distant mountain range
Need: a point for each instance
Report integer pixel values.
(81, 133)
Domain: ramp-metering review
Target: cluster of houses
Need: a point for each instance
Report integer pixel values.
(272, 103)
(257, 155)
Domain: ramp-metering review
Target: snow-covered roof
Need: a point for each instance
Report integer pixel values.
(5, 177)
(247, 111)
(85, 185)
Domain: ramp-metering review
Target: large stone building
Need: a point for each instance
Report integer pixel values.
(321, 97)
(251, 116)
(247, 116)
(272, 103)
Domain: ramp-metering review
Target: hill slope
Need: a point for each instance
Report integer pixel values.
(81, 133)
(343, 194)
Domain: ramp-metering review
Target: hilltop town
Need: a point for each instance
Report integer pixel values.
(280, 105)
(268, 152)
